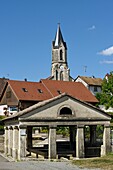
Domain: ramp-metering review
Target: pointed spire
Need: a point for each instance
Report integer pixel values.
(58, 37)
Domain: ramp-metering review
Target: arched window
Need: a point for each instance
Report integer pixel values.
(56, 75)
(65, 111)
(61, 58)
(61, 75)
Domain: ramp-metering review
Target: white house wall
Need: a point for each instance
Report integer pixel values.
(91, 88)
(83, 82)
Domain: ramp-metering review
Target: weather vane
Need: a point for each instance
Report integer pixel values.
(85, 68)
(59, 23)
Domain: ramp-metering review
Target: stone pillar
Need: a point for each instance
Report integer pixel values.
(22, 143)
(106, 147)
(10, 140)
(92, 135)
(80, 142)
(6, 141)
(52, 142)
(15, 142)
(111, 137)
(29, 137)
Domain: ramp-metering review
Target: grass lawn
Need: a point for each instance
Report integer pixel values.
(105, 162)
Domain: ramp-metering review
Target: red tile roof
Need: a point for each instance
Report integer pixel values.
(32, 93)
(75, 89)
(46, 89)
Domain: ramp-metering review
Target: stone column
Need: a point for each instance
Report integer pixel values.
(92, 135)
(29, 137)
(111, 137)
(22, 143)
(80, 142)
(6, 141)
(10, 140)
(15, 142)
(106, 147)
(52, 142)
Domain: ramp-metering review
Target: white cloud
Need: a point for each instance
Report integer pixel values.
(92, 28)
(106, 62)
(107, 52)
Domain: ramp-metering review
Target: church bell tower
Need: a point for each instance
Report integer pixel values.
(59, 68)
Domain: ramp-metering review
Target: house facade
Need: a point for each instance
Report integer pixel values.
(19, 95)
(93, 84)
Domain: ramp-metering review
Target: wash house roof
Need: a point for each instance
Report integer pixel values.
(82, 111)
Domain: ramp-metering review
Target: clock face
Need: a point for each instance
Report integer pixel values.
(62, 67)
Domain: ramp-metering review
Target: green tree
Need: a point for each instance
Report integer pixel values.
(106, 96)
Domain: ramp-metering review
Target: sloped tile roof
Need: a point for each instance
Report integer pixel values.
(92, 80)
(75, 89)
(31, 92)
(46, 89)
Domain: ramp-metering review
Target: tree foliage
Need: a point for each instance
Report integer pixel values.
(106, 96)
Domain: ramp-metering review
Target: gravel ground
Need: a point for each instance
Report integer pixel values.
(38, 165)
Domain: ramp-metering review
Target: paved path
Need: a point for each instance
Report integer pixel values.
(37, 165)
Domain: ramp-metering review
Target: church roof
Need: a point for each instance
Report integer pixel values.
(58, 38)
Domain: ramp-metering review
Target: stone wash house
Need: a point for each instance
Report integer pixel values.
(60, 111)
(57, 101)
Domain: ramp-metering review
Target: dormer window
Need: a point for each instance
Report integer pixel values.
(59, 92)
(40, 91)
(24, 89)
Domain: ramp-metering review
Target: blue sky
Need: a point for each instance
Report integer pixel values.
(28, 27)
